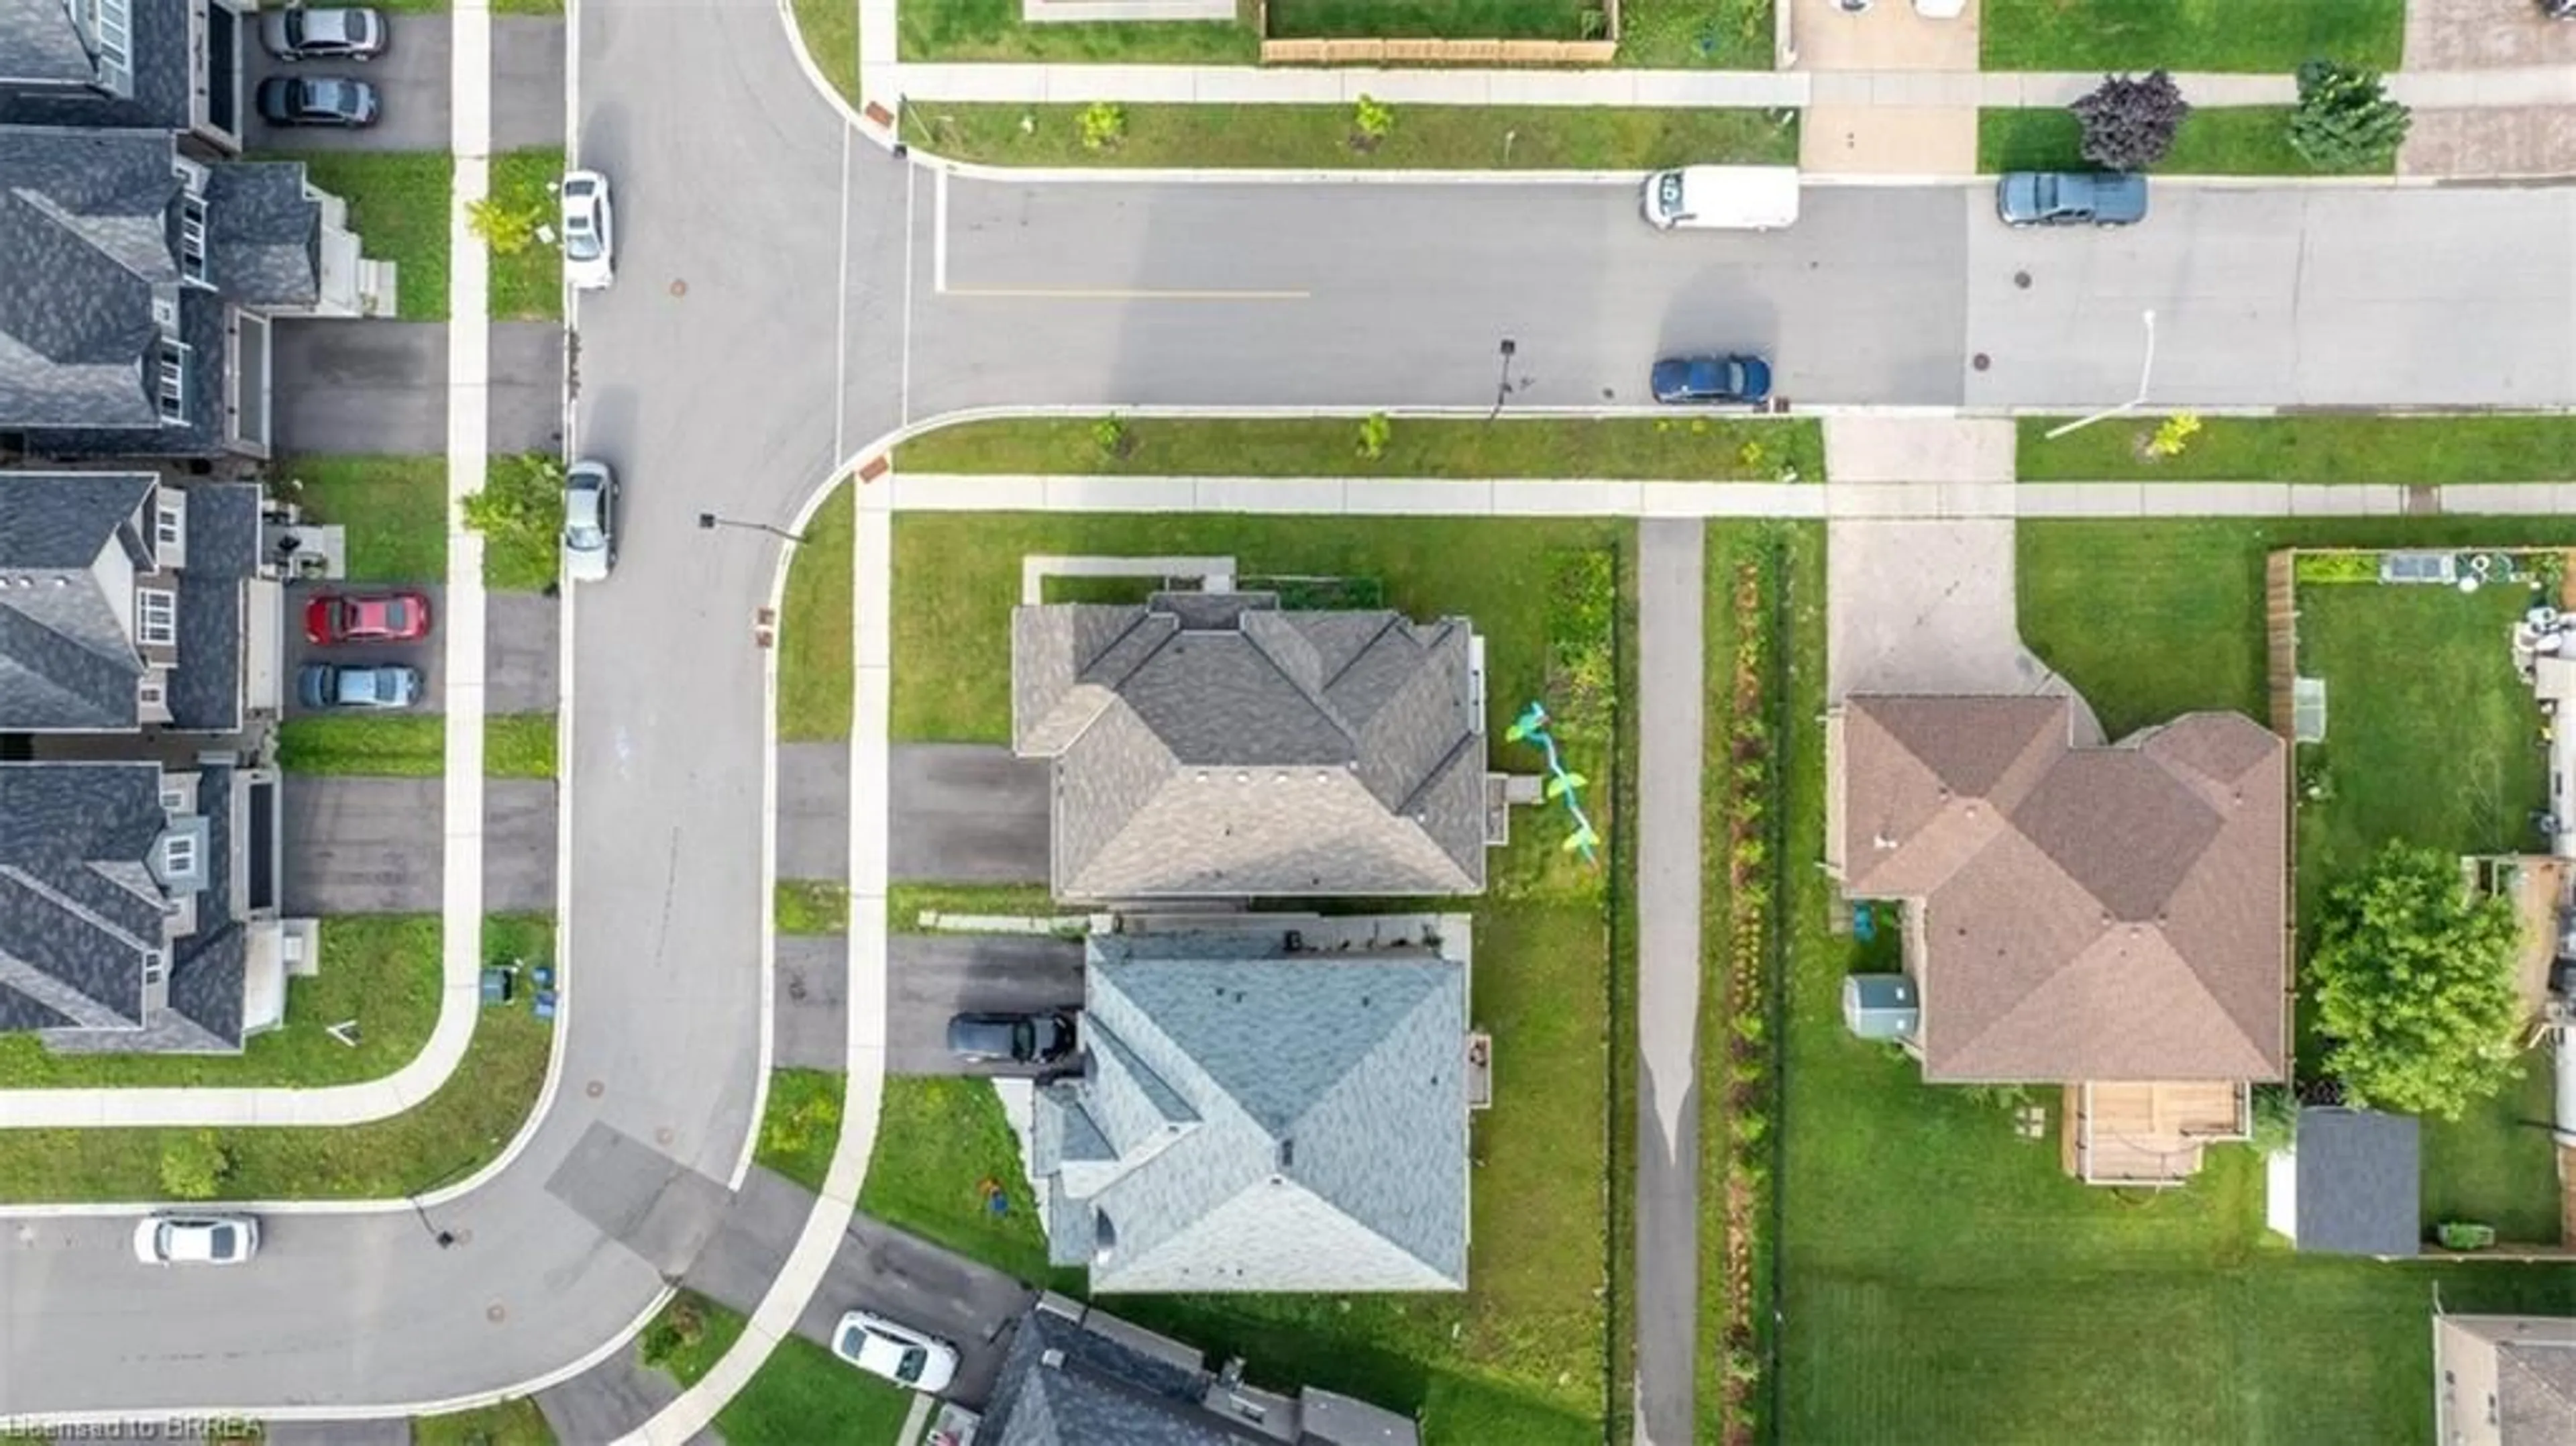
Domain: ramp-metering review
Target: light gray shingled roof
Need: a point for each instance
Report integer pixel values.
(1329, 1150)
(66, 662)
(1213, 745)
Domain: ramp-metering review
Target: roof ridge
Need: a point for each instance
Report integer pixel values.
(1388, 618)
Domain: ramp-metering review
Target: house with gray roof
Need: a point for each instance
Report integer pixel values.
(1265, 1103)
(1078, 1376)
(166, 65)
(139, 288)
(139, 906)
(129, 603)
(2503, 1380)
(2350, 1183)
(1215, 745)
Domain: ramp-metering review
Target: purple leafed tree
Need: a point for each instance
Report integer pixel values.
(2130, 121)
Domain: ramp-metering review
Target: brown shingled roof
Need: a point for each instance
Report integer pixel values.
(2082, 913)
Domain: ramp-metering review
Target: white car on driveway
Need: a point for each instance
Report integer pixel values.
(589, 232)
(196, 1239)
(900, 1354)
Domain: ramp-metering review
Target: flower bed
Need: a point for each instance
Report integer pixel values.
(1752, 891)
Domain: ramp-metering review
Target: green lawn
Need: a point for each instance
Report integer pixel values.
(527, 555)
(830, 29)
(938, 1141)
(394, 510)
(1424, 137)
(1434, 19)
(2252, 140)
(814, 649)
(1660, 449)
(1946, 1282)
(802, 1389)
(519, 745)
(390, 745)
(801, 1124)
(514, 1422)
(690, 1335)
(812, 906)
(453, 1132)
(528, 286)
(2241, 35)
(905, 903)
(1708, 34)
(993, 30)
(399, 204)
(2324, 448)
(380, 970)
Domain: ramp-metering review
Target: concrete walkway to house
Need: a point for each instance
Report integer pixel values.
(1672, 598)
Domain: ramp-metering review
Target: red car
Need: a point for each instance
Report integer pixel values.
(373, 617)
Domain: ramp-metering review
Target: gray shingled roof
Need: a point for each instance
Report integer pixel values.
(2360, 1188)
(80, 914)
(1213, 745)
(264, 234)
(205, 693)
(1320, 1139)
(84, 251)
(40, 45)
(66, 661)
(45, 53)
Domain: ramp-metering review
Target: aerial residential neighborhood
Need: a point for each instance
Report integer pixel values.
(1520, 723)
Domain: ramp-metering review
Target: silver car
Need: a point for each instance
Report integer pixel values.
(590, 522)
(589, 232)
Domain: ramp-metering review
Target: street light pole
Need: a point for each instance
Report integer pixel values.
(709, 522)
(2146, 370)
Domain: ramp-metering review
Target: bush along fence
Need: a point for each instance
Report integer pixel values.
(1753, 865)
(1597, 44)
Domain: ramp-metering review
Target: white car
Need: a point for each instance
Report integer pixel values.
(897, 1352)
(589, 232)
(196, 1239)
(590, 521)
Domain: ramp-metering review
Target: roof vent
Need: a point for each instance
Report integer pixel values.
(1288, 1153)
(1051, 1358)
(1241, 777)
(1883, 841)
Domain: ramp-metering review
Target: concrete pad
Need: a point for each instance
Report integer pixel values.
(2513, 141)
(814, 810)
(521, 652)
(2484, 34)
(1918, 449)
(1394, 497)
(1887, 36)
(1877, 140)
(1925, 607)
(810, 1013)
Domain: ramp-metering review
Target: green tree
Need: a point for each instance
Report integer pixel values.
(520, 509)
(2345, 120)
(193, 1166)
(2413, 981)
(505, 228)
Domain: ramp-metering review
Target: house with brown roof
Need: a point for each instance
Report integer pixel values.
(2110, 919)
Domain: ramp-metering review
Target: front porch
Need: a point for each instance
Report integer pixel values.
(2149, 1134)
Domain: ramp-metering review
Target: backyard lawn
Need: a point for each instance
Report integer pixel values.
(814, 657)
(953, 30)
(380, 971)
(2325, 448)
(399, 205)
(2251, 140)
(1945, 1281)
(1697, 34)
(1440, 137)
(2241, 35)
(455, 1131)
(394, 510)
(1624, 449)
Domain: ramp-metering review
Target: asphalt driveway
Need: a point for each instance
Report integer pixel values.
(932, 976)
(518, 845)
(411, 78)
(814, 810)
(522, 637)
(362, 845)
(808, 1015)
(426, 654)
(967, 813)
(379, 387)
(527, 81)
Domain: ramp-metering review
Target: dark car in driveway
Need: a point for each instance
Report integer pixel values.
(295, 100)
(366, 617)
(1011, 1038)
(1689, 379)
(357, 685)
(2071, 198)
(302, 33)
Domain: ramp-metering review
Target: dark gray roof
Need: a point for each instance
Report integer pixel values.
(1096, 1390)
(1214, 745)
(205, 693)
(85, 248)
(264, 234)
(2360, 1188)
(52, 86)
(66, 662)
(80, 912)
(40, 45)
(210, 965)
(1249, 1120)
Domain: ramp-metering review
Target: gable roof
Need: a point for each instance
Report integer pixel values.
(49, 73)
(41, 44)
(264, 233)
(80, 912)
(85, 252)
(67, 659)
(2360, 1189)
(205, 693)
(2081, 913)
(1250, 1120)
(1210, 744)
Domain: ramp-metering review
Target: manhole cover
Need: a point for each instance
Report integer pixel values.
(496, 1312)
(664, 1135)
(679, 287)
(1981, 361)
(2022, 280)
(594, 1089)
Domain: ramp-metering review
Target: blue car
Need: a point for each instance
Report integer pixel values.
(2071, 198)
(345, 685)
(1686, 379)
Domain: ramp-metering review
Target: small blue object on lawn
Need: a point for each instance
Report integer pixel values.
(496, 984)
(544, 975)
(545, 1004)
(1864, 923)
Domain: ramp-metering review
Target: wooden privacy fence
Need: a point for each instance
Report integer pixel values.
(1330, 51)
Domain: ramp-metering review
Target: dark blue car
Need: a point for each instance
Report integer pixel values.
(1682, 379)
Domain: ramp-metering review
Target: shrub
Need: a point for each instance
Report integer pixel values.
(2173, 434)
(1372, 120)
(2345, 119)
(2276, 1119)
(1375, 432)
(506, 230)
(2336, 567)
(1104, 125)
(1109, 436)
(194, 1166)
(2130, 121)
(521, 503)
(679, 1327)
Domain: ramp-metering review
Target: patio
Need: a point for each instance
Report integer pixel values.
(2148, 1134)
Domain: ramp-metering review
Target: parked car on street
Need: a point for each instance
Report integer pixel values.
(2071, 198)
(366, 617)
(302, 33)
(1690, 379)
(358, 685)
(196, 1239)
(900, 1354)
(590, 522)
(589, 232)
(295, 100)
(1011, 1038)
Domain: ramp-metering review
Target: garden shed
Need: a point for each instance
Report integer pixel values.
(2351, 1183)
(1882, 1006)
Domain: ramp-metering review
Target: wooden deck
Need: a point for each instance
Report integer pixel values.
(2124, 1133)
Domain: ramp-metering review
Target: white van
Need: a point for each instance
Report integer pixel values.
(1723, 198)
